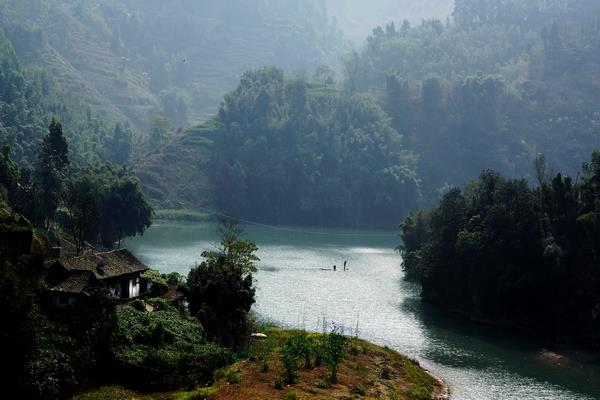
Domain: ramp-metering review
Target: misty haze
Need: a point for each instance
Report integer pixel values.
(300, 199)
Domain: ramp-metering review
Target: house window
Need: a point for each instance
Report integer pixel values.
(115, 290)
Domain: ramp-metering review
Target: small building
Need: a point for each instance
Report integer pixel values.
(118, 273)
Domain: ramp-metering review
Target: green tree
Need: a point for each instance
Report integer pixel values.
(324, 75)
(83, 210)
(234, 250)
(9, 171)
(55, 144)
(120, 145)
(221, 291)
(334, 351)
(125, 210)
(50, 172)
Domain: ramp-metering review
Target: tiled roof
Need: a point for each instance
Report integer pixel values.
(75, 282)
(105, 265)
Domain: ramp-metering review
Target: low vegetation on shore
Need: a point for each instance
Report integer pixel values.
(290, 364)
(182, 215)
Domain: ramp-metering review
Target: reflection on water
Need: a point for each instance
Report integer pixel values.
(295, 289)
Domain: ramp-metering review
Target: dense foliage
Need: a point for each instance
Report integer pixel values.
(487, 89)
(490, 88)
(130, 61)
(30, 96)
(221, 290)
(165, 348)
(105, 204)
(51, 353)
(96, 203)
(294, 152)
(47, 355)
(502, 251)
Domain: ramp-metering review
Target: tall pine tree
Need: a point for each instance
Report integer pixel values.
(50, 169)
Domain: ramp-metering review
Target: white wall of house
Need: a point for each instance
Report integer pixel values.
(134, 287)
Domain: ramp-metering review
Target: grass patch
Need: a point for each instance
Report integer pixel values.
(206, 393)
(119, 393)
(182, 215)
(230, 375)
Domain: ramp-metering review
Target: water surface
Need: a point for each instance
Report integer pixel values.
(478, 363)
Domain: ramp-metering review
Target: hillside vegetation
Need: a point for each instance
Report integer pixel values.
(502, 251)
(364, 371)
(356, 18)
(490, 88)
(422, 108)
(130, 60)
(288, 151)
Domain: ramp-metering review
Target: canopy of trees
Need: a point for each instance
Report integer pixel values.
(502, 251)
(293, 152)
(490, 88)
(29, 97)
(423, 107)
(96, 203)
(221, 290)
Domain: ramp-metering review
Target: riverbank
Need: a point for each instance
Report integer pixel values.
(366, 371)
(183, 215)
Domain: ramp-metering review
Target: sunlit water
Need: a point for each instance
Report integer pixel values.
(478, 363)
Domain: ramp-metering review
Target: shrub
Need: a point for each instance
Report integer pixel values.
(264, 365)
(304, 345)
(158, 283)
(290, 355)
(49, 374)
(230, 375)
(175, 279)
(385, 373)
(360, 391)
(166, 348)
(321, 384)
(278, 384)
(335, 346)
(138, 305)
(291, 396)
(206, 393)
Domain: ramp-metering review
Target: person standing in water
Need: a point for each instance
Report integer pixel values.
(345, 262)
(335, 268)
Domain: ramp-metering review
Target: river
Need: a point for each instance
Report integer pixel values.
(477, 362)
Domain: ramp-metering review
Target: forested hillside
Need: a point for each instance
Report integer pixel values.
(30, 97)
(500, 83)
(290, 151)
(356, 18)
(502, 251)
(490, 88)
(131, 60)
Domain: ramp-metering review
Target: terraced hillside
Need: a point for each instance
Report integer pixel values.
(72, 46)
(130, 60)
(176, 175)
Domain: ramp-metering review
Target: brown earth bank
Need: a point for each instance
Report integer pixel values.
(366, 371)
